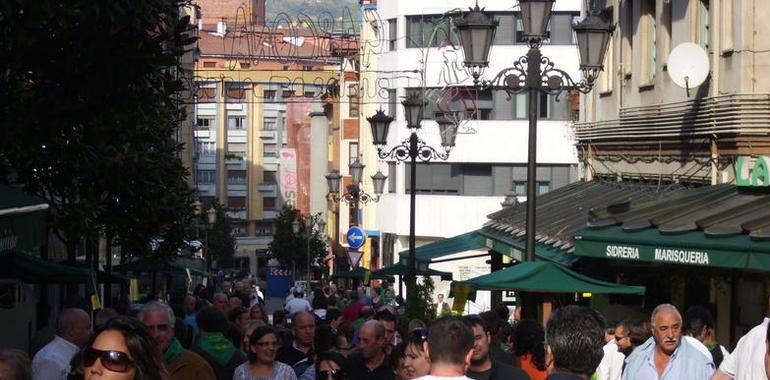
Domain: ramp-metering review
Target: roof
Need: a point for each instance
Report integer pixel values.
(564, 211)
(721, 225)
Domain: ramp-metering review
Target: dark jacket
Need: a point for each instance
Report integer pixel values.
(190, 366)
(501, 371)
(222, 372)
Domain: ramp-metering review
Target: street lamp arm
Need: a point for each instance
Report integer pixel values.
(553, 81)
(422, 151)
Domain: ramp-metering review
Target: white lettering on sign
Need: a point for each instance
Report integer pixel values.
(623, 252)
(681, 256)
(8, 242)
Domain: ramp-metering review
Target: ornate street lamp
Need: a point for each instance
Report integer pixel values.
(378, 181)
(448, 131)
(356, 171)
(414, 106)
(380, 123)
(333, 180)
(477, 31)
(536, 74)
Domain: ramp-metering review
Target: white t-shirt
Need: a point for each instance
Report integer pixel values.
(431, 377)
(747, 362)
(52, 362)
(296, 305)
(611, 366)
(699, 345)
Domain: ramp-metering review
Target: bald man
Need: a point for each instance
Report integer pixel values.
(52, 362)
(370, 361)
(297, 355)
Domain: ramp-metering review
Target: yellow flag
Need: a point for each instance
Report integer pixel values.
(96, 304)
(366, 276)
(461, 292)
(133, 290)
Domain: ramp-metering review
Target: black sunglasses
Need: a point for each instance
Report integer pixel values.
(112, 360)
(333, 374)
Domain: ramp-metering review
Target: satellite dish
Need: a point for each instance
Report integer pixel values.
(688, 65)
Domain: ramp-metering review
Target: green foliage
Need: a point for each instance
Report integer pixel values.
(289, 247)
(88, 114)
(221, 243)
(426, 311)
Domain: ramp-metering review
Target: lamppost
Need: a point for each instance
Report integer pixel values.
(311, 221)
(412, 149)
(211, 218)
(534, 73)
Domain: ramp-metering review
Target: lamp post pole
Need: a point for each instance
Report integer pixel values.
(533, 83)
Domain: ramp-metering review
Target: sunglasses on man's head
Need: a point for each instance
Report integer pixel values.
(112, 360)
(333, 374)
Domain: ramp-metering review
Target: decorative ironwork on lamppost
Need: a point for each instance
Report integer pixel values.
(534, 73)
(354, 195)
(412, 149)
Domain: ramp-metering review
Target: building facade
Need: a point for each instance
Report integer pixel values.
(411, 47)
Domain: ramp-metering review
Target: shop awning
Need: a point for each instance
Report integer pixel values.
(547, 277)
(714, 226)
(360, 273)
(102, 277)
(155, 264)
(28, 268)
(22, 220)
(400, 269)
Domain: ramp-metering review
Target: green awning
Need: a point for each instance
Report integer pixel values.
(154, 264)
(359, 274)
(547, 277)
(28, 268)
(488, 238)
(689, 248)
(22, 220)
(102, 277)
(400, 269)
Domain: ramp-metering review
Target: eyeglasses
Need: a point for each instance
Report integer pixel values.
(333, 374)
(112, 360)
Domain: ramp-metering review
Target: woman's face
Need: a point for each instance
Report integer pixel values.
(256, 313)
(266, 348)
(402, 372)
(416, 361)
(109, 340)
(325, 369)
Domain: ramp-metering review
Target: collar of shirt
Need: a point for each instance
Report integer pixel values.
(672, 369)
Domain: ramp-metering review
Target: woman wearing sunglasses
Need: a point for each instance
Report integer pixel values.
(122, 349)
(263, 348)
(416, 360)
(330, 366)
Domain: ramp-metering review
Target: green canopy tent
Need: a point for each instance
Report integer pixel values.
(155, 264)
(359, 274)
(22, 221)
(102, 277)
(547, 277)
(401, 269)
(28, 268)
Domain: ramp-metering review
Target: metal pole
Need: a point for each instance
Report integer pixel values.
(533, 84)
(411, 278)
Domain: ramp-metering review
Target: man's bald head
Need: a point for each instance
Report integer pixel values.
(375, 327)
(74, 326)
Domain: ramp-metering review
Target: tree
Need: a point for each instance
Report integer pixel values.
(88, 111)
(289, 247)
(221, 243)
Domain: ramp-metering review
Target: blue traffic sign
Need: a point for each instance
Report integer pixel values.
(356, 237)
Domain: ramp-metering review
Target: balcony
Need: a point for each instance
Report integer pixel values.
(268, 135)
(236, 135)
(237, 214)
(266, 187)
(270, 160)
(269, 214)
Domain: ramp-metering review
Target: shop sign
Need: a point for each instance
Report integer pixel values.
(757, 175)
(659, 254)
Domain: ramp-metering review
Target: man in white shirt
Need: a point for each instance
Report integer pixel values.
(450, 348)
(52, 362)
(297, 304)
(750, 359)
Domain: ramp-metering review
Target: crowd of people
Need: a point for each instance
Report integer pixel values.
(351, 334)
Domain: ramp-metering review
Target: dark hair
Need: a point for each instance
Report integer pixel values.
(696, 319)
(143, 349)
(474, 320)
(332, 357)
(331, 300)
(529, 338)
(416, 337)
(503, 313)
(449, 340)
(396, 354)
(18, 363)
(492, 321)
(235, 313)
(575, 335)
(385, 316)
(211, 319)
(256, 335)
(319, 300)
(366, 312)
(638, 331)
(332, 314)
(279, 318)
(325, 339)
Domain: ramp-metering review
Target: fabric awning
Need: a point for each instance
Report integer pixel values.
(22, 220)
(154, 264)
(400, 269)
(28, 268)
(547, 277)
(360, 273)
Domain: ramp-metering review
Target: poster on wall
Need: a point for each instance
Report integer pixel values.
(287, 176)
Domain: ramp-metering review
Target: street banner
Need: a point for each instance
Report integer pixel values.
(461, 292)
(133, 290)
(298, 138)
(287, 176)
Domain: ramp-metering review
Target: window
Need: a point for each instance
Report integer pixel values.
(520, 187)
(269, 94)
(207, 148)
(204, 122)
(206, 94)
(206, 176)
(269, 150)
(269, 176)
(235, 93)
(506, 29)
(268, 203)
(429, 31)
(391, 177)
(236, 122)
(466, 103)
(236, 147)
(209, 64)
(547, 177)
(520, 30)
(392, 103)
(560, 28)
(649, 35)
(236, 177)
(287, 93)
(353, 100)
(270, 124)
(628, 38)
(543, 187)
(392, 34)
(245, 65)
(352, 152)
(435, 178)
(236, 203)
(703, 24)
